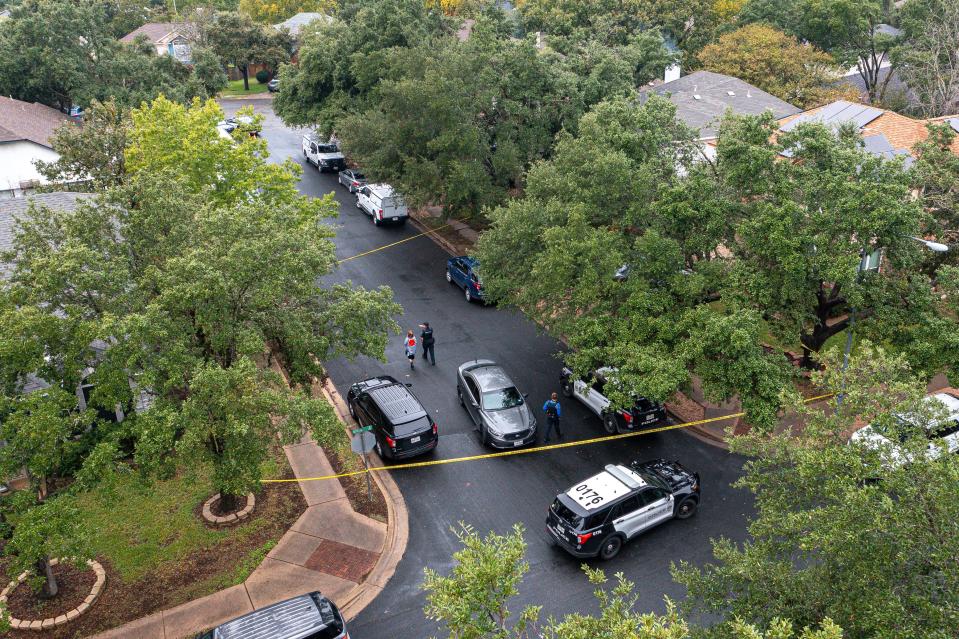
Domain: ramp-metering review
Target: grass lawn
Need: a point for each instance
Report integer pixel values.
(235, 88)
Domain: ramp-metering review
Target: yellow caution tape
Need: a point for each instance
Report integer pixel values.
(392, 244)
(525, 451)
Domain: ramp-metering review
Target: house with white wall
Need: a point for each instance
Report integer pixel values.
(25, 133)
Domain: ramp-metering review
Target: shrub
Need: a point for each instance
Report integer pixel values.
(262, 76)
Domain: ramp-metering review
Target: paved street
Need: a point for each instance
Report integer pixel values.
(495, 494)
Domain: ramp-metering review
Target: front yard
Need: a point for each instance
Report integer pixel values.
(235, 88)
(158, 553)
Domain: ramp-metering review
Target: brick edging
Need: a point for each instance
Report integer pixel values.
(70, 615)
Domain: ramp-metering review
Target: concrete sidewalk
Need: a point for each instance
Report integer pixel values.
(346, 556)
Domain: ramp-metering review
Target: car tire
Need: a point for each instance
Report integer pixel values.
(611, 547)
(609, 423)
(459, 393)
(484, 436)
(352, 410)
(686, 508)
(379, 451)
(449, 276)
(376, 222)
(469, 298)
(358, 204)
(567, 387)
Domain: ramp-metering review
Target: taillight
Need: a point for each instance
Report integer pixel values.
(582, 539)
(379, 214)
(390, 441)
(477, 286)
(434, 428)
(627, 416)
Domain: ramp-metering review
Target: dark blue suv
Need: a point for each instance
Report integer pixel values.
(462, 272)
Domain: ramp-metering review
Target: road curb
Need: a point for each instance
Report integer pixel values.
(442, 242)
(397, 528)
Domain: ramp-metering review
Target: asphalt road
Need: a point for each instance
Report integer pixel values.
(497, 493)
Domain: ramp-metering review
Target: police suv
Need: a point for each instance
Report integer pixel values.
(598, 515)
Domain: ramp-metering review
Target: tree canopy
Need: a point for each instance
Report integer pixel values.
(839, 531)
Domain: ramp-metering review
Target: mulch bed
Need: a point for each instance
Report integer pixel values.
(280, 505)
(217, 509)
(74, 583)
(355, 488)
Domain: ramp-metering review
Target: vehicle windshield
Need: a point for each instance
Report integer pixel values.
(566, 514)
(358, 176)
(326, 148)
(502, 398)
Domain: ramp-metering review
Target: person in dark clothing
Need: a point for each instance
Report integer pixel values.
(426, 339)
(553, 412)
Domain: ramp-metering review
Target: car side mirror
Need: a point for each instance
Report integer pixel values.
(408, 385)
(525, 394)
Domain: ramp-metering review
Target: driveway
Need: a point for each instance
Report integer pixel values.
(494, 494)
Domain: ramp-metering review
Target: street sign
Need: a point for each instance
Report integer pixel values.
(363, 442)
(361, 429)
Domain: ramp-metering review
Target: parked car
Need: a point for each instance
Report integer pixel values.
(401, 425)
(381, 203)
(889, 439)
(326, 156)
(462, 271)
(598, 515)
(244, 123)
(495, 405)
(590, 390)
(309, 616)
(273, 85)
(352, 179)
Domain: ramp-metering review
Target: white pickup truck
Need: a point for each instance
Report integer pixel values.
(325, 156)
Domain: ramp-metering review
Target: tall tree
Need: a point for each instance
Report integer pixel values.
(929, 54)
(775, 62)
(275, 11)
(839, 531)
(626, 190)
(473, 601)
(240, 41)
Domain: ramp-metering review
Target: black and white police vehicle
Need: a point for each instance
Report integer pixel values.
(598, 515)
(590, 389)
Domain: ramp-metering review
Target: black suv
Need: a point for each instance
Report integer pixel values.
(401, 425)
(596, 516)
(310, 616)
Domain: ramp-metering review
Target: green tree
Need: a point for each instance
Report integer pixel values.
(208, 71)
(239, 41)
(341, 62)
(93, 152)
(929, 54)
(626, 190)
(50, 530)
(202, 261)
(473, 601)
(775, 62)
(275, 11)
(839, 530)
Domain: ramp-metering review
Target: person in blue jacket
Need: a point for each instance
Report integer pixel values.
(553, 412)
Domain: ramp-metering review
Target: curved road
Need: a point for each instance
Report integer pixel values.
(494, 494)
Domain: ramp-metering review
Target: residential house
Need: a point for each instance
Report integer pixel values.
(702, 98)
(884, 132)
(25, 133)
(295, 24)
(167, 38)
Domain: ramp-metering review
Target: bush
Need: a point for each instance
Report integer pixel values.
(262, 76)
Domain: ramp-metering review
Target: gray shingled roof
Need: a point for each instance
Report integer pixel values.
(703, 97)
(153, 31)
(13, 208)
(295, 23)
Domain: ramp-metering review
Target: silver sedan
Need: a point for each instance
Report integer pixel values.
(495, 405)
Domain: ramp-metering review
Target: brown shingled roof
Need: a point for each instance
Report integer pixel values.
(154, 31)
(902, 132)
(25, 121)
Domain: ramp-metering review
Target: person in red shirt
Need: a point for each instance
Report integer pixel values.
(410, 345)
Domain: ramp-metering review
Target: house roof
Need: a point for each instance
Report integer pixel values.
(884, 132)
(703, 97)
(28, 121)
(295, 23)
(13, 208)
(157, 31)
